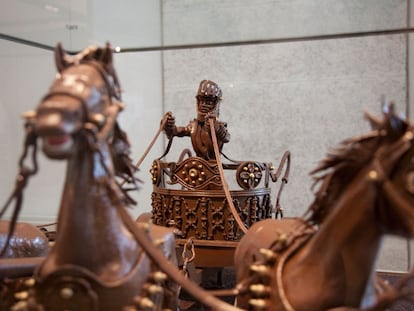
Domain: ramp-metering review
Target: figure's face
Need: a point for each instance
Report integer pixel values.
(205, 105)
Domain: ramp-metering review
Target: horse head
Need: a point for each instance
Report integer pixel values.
(79, 99)
(393, 172)
(387, 153)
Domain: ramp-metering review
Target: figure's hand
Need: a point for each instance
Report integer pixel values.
(169, 124)
(170, 120)
(221, 130)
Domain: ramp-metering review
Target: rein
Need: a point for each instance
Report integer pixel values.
(274, 177)
(22, 179)
(295, 242)
(233, 210)
(151, 144)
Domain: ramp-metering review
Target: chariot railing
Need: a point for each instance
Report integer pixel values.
(190, 196)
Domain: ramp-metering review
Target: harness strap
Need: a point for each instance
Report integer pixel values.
(151, 144)
(394, 195)
(21, 182)
(380, 175)
(296, 242)
(233, 210)
(285, 160)
(113, 89)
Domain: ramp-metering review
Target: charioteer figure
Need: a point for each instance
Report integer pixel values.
(208, 97)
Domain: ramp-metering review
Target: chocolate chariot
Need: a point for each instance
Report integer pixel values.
(192, 194)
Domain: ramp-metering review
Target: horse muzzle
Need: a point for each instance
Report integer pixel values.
(56, 134)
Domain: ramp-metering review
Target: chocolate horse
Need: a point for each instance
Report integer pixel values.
(326, 259)
(102, 259)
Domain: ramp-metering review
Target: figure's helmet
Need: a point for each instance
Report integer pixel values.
(209, 88)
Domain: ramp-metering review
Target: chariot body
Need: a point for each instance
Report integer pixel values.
(188, 195)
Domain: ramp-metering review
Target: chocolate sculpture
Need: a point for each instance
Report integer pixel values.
(326, 260)
(204, 208)
(101, 260)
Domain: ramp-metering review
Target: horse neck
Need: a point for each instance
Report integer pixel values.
(347, 243)
(353, 218)
(90, 231)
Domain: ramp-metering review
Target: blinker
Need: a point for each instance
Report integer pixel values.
(97, 118)
(29, 115)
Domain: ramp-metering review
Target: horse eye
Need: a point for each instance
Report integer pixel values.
(410, 182)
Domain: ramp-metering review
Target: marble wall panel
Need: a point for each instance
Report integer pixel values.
(141, 80)
(187, 21)
(396, 254)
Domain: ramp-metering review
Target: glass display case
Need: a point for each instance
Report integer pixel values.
(296, 75)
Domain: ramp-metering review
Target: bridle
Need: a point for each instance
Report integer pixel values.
(112, 88)
(380, 173)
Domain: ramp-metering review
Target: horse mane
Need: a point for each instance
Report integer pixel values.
(342, 163)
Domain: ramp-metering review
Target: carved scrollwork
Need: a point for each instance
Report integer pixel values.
(249, 175)
(196, 173)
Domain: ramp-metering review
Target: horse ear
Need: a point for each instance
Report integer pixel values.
(375, 122)
(61, 62)
(106, 57)
(394, 123)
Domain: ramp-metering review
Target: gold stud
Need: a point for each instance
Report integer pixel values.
(66, 293)
(257, 304)
(259, 269)
(259, 289)
(373, 175)
(268, 254)
(21, 295)
(145, 303)
(159, 276)
(155, 289)
(30, 282)
(409, 135)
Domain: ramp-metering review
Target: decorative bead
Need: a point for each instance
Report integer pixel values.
(258, 304)
(66, 293)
